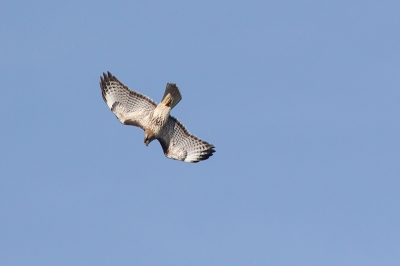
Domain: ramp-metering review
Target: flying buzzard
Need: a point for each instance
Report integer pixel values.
(135, 109)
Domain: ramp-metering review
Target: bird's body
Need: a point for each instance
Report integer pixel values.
(136, 109)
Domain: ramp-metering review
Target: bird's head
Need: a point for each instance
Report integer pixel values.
(148, 137)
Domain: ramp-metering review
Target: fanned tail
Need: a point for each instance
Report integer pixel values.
(172, 96)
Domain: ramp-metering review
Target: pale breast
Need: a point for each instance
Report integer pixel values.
(159, 118)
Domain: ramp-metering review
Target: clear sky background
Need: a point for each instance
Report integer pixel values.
(300, 98)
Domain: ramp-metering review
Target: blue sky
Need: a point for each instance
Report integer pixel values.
(300, 98)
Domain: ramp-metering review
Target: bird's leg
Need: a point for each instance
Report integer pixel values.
(168, 101)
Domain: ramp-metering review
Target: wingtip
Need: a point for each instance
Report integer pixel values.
(107, 76)
(110, 76)
(205, 154)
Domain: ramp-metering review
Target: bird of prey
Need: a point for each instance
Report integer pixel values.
(135, 109)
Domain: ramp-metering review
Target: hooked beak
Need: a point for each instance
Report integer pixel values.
(147, 138)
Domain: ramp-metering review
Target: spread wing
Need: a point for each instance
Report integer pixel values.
(179, 144)
(130, 107)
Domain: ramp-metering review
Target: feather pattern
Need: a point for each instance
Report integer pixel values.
(130, 107)
(136, 109)
(115, 91)
(179, 144)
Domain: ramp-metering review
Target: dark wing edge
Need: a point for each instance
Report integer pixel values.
(127, 105)
(112, 90)
(179, 144)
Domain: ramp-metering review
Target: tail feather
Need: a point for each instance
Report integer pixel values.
(172, 92)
